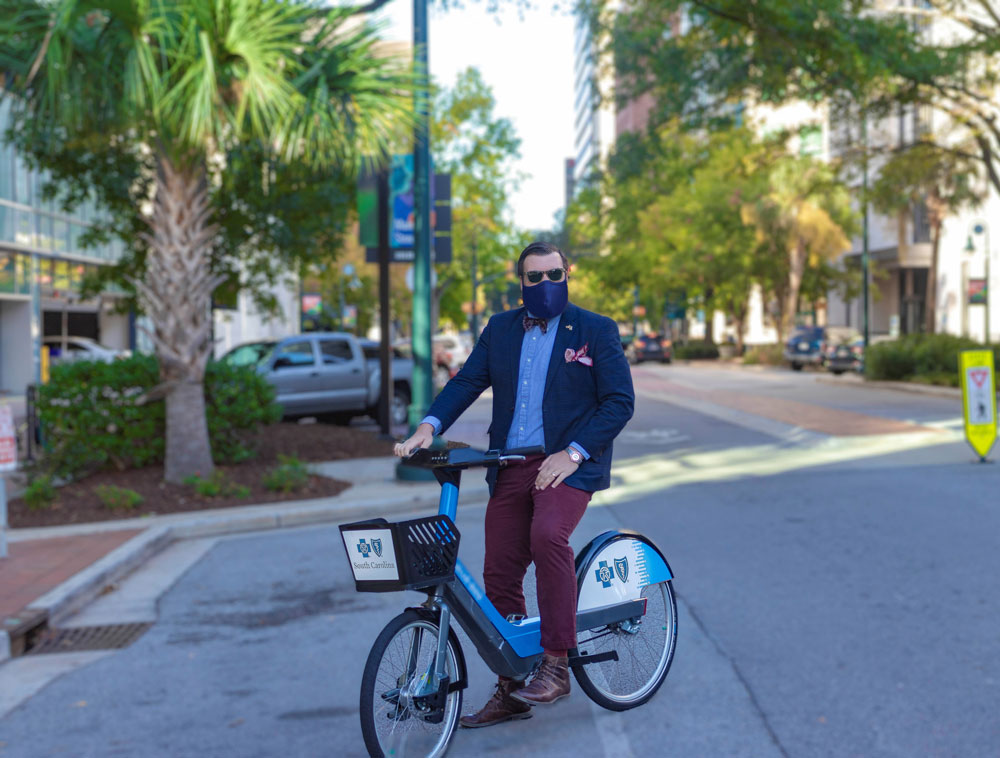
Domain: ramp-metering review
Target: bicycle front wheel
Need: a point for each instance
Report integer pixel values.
(397, 718)
(645, 648)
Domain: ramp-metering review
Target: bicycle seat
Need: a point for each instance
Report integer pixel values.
(469, 457)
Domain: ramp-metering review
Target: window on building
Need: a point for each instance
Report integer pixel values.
(921, 223)
(811, 141)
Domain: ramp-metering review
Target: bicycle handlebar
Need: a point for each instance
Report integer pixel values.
(468, 457)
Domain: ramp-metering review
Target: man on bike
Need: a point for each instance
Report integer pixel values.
(560, 380)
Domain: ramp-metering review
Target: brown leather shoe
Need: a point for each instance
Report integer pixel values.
(499, 708)
(550, 683)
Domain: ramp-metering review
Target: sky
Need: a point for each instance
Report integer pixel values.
(527, 60)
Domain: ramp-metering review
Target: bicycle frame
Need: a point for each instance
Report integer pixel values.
(509, 648)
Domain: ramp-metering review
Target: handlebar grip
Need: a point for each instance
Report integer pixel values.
(525, 451)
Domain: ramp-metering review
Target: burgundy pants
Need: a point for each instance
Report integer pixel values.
(524, 524)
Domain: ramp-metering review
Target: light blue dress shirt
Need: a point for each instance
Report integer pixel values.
(527, 429)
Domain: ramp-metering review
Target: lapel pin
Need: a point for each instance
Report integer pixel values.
(569, 326)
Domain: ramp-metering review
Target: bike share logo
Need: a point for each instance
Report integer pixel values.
(605, 576)
(621, 568)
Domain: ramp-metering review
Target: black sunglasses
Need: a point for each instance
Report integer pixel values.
(554, 275)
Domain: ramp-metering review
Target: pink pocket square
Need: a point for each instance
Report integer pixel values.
(579, 355)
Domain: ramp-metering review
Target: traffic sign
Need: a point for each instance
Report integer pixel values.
(979, 399)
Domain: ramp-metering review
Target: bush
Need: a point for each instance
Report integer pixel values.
(93, 418)
(39, 493)
(929, 358)
(764, 355)
(217, 485)
(290, 475)
(117, 498)
(693, 351)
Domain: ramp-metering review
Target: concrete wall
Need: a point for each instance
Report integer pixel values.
(247, 324)
(114, 329)
(15, 346)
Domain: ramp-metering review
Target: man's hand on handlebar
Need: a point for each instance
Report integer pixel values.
(422, 437)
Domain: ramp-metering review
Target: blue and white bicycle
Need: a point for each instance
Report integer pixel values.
(411, 690)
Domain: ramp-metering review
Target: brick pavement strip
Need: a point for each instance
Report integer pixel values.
(36, 566)
(57, 577)
(817, 418)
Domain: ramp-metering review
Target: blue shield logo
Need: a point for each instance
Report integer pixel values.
(377, 547)
(621, 568)
(364, 548)
(604, 574)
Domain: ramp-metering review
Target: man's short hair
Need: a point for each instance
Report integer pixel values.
(539, 248)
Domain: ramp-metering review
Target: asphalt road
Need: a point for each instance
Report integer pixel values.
(836, 598)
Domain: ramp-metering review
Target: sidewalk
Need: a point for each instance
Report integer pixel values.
(51, 572)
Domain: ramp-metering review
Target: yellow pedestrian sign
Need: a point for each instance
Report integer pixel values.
(979, 399)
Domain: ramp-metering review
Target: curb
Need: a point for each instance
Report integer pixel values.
(80, 589)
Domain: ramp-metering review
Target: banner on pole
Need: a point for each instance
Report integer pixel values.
(8, 440)
(401, 210)
(975, 368)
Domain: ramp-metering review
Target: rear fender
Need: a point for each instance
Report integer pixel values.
(615, 566)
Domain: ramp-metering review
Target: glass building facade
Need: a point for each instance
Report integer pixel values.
(42, 267)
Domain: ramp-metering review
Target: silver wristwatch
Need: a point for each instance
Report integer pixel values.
(574, 455)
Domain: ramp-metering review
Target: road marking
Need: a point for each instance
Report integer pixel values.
(636, 477)
(614, 739)
(653, 436)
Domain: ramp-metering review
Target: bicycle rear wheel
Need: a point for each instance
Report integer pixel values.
(395, 720)
(645, 648)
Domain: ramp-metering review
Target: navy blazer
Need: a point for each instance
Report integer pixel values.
(586, 404)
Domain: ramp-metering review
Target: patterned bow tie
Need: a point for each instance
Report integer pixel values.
(541, 323)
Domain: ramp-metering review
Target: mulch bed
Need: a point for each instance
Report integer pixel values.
(78, 503)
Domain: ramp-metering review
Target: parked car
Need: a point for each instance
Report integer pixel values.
(805, 347)
(63, 349)
(649, 347)
(330, 375)
(846, 355)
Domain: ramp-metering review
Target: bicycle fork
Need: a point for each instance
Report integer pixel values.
(424, 694)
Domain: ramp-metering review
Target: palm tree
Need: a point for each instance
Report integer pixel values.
(186, 83)
(802, 221)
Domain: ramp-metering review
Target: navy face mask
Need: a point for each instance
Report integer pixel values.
(545, 299)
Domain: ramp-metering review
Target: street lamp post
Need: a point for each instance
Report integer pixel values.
(422, 388)
(981, 227)
(865, 263)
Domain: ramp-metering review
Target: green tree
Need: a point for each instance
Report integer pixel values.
(802, 222)
(855, 54)
(478, 148)
(943, 180)
(188, 96)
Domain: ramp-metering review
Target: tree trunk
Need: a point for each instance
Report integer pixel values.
(935, 212)
(796, 272)
(177, 295)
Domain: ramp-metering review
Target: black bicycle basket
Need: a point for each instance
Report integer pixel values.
(405, 555)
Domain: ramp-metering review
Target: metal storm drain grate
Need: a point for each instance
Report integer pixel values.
(110, 637)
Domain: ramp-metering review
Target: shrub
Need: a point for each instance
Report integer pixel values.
(764, 355)
(217, 485)
(93, 415)
(117, 498)
(290, 475)
(696, 351)
(929, 358)
(39, 493)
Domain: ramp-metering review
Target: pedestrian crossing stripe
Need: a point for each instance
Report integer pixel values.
(975, 368)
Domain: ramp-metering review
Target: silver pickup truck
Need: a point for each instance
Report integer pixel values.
(333, 376)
